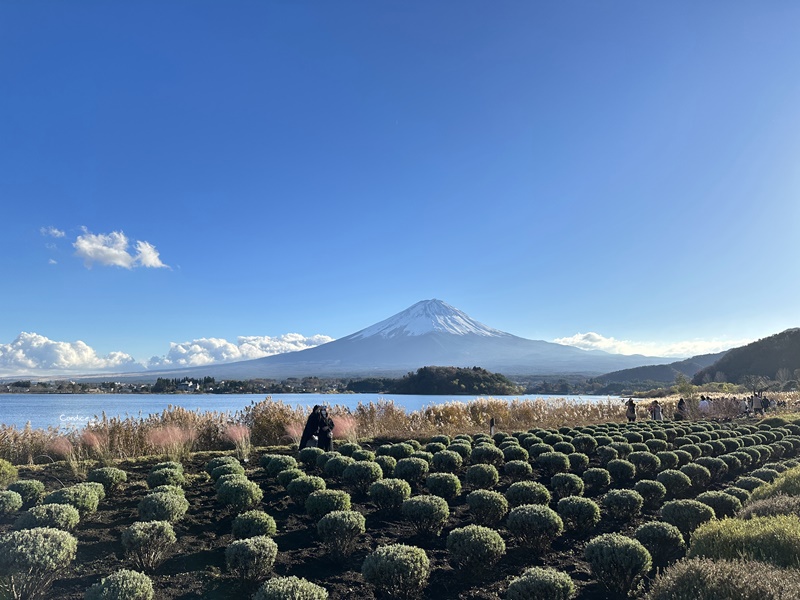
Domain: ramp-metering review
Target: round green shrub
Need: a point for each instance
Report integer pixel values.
(482, 476)
(543, 583)
(321, 502)
(527, 492)
(162, 506)
(462, 449)
(446, 485)
(290, 588)
(387, 465)
(31, 559)
(553, 462)
(668, 460)
(646, 464)
(487, 507)
(217, 484)
(240, 495)
(148, 542)
(415, 444)
(165, 476)
(686, 515)
(170, 464)
(487, 455)
(676, 483)
(578, 462)
(426, 456)
(279, 463)
(10, 502)
(252, 523)
(716, 466)
(749, 483)
(30, 490)
(434, 447)
(300, 488)
(564, 447)
(285, 477)
(308, 456)
(427, 514)
(122, 585)
(446, 461)
(621, 471)
(82, 498)
(339, 531)
(475, 548)
(618, 562)
(534, 525)
(515, 453)
(251, 559)
(389, 494)
(768, 475)
(596, 480)
(8, 473)
(663, 541)
(698, 474)
(397, 570)
(400, 451)
(335, 466)
(413, 470)
(219, 461)
(536, 450)
(362, 474)
(724, 505)
(229, 468)
(742, 495)
(56, 516)
(652, 492)
(364, 455)
(578, 514)
(566, 484)
(110, 478)
(518, 469)
(348, 448)
(622, 504)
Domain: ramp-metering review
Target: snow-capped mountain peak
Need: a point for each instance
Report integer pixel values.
(428, 316)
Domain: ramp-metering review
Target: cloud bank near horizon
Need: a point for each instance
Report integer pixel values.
(595, 341)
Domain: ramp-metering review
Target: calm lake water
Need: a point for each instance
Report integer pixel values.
(75, 410)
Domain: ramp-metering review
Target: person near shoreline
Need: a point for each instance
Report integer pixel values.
(311, 430)
(681, 410)
(326, 426)
(630, 411)
(655, 411)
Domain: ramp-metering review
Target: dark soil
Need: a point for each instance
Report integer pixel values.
(196, 566)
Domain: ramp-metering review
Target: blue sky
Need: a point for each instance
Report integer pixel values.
(551, 168)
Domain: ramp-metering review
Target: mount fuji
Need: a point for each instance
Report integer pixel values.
(430, 332)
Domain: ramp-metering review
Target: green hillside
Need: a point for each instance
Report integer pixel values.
(662, 373)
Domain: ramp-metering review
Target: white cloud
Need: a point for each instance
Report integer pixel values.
(52, 232)
(52, 261)
(596, 341)
(112, 250)
(206, 351)
(36, 354)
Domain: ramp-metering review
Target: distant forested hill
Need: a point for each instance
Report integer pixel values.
(663, 373)
(763, 358)
(455, 380)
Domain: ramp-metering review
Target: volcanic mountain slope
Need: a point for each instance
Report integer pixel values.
(663, 373)
(430, 332)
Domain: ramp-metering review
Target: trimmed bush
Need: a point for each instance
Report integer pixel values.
(486, 454)
(663, 541)
(364, 455)
(724, 505)
(566, 484)
(83, 498)
(543, 583)
(686, 515)
(219, 461)
(475, 548)
(167, 476)
(621, 471)
(787, 483)
(56, 516)
(10, 502)
(228, 468)
(285, 477)
(389, 494)
(8, 473)
(487, 507)
(111, 478)
(162, 506)
(426, 456)
(362, 474)
(652, 492)
(336, 466)
(647, 464)
(427, 514)
(278, 463)
(716, 466)
(482, 476)
(122, 585)
(596, 480)
(348, 448)
(536, 450)
(387, 464)
(252, 523)
(534, 525)
(527, 492)
(446, 461)
(703, 579)
(339, 531)
(321, 502)
(30, 490)
(300, 488)
(742, 495)
(774, 540)
(518, 469)
(251, 559)
(749, 483)
(397, 570)
(290, 588)
(515, 453)
(675, 482)
(240, 495)
(446, 485)
(400, 451)
(578, 514)
(217, 484)
(553, 462)
(413, 470)
(31, 559)
(668, 460)
(462, 449)
(147, 543)
(578, 462)
(769, 507)
(698, 474)
(308, 456)
(622, 504)
(618, 562)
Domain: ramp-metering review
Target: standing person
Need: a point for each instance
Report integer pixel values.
(326, 426)
(680, 412)
(630, 412)
(311, 430)
(655, 411)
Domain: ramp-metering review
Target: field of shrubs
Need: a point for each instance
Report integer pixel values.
(664, 510)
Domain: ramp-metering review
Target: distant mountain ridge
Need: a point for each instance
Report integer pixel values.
(663, 373)
(430, 332)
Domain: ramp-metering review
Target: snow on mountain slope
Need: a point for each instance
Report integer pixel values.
(427, 316)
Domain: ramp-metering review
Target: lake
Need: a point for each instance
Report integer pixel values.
(75, 410)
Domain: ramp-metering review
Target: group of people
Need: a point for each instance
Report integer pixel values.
(318, 430)
(655, 410)
(757, 404)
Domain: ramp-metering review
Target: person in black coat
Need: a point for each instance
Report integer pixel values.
(312, 427)
(325, 430)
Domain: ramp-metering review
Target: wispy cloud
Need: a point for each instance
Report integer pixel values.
(206, 351)
(112, 250)
(596, 341)
(34, 353)
(51, 231)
